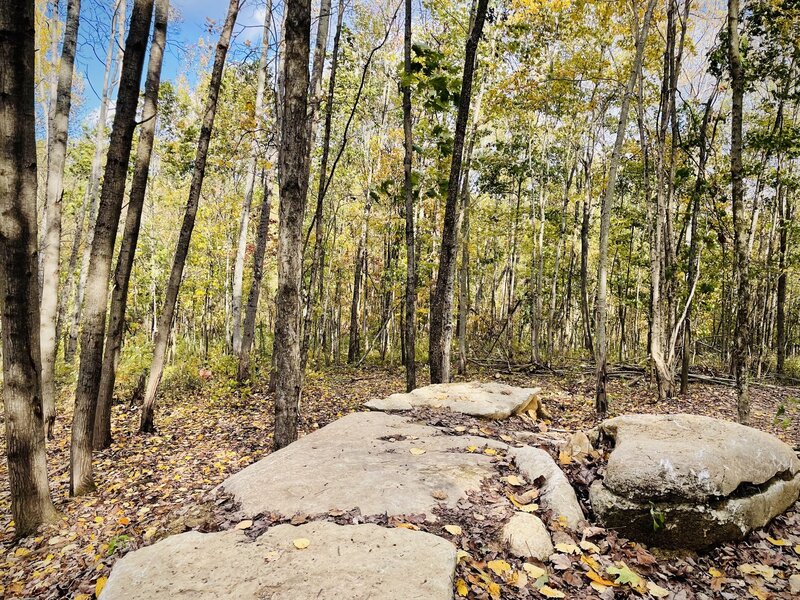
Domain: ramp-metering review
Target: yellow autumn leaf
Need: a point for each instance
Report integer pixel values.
(417, 451)
(407, 526)
(758, 593)
(301, 543)
(21, 552)
(656, 591)
(494, 590)
(124, 521)
(82, 597)
(599, 579)
(453, 529)
(498, 566)
(593, 564)
(462, 554)
(461, 588)
(777, 542)
(246, 524)
(598, 587)
(715, 572)
(490, 452)
(589, 547)
(98, 587)
(472, 448)
(564, 458)
(757, 569)
(568, 548)
(546, 590)
(797, 548)
(514, 480)
(528, 508)
(533, 570)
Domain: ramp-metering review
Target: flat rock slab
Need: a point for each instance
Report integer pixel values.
(687, 481)
(350, 562)
(376, 462)
(490, 400)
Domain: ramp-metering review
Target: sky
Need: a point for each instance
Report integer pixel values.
(189, 24)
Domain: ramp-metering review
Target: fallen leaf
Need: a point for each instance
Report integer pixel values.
(498, 566)
(758, 593)
(246, 524)
(439, 494)
(21, 552)
(407, 526)
(624, 574)
(568, 548)
(656, 590)
(472, 448)
(490, 452)
(514, 480)
(98, 587)
(715, 572)
(564, 458)
(301, 543)
(533, 570)
(461, 588)
(462, 554)
(777, 542)
(598, 587)
(546, 590)
(453, 529)
(589, 547)
(417, 451)
(599, 579)
(764, 571)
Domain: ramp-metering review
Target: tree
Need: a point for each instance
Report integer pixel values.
(51, 248)
(182, 248)
(441, 328)
(294, 173)
(741, 350)
(410, 324)
(130, 237)
(601, 341)
(19, 293)
(111, 196)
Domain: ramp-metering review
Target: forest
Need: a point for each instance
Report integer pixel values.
(225, 225)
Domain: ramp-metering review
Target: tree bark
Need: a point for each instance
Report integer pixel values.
(249, 326)
(92, 189)
(19, 278)
(410, 322)
(354, 339)
(241, 246)
(741, 259)
(102, 250)
(294, 167)
(51, 245)
(164, 328)
(316, 261)
(441, 327)
(601, 343)
(122, 274)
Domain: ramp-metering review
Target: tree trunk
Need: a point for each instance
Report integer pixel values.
(241, 246)
(130, 238)
(102, 250)
(316, 260)
(294, 167)
(410, 322)
(249, 326)
(182, 248)
(92, 189)
(354, 339)
(741, 258)
(51, 245)
(19, 278)
(601, 348)
(441, 327)
(783, 246)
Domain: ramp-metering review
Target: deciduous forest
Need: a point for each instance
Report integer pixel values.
(225, 225)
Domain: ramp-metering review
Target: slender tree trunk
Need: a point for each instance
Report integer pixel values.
(102, 250)
(51, 245)
(441, 327)
(410, 321)
(585, 223)
(249, 326)
(92, 190)
(182, 248)
(601, 349)
(741, 258)
(316, 260)
(130, 238)
(354, 340)
(783, 245)
(294, 167)
(241, 246)
(19, 278)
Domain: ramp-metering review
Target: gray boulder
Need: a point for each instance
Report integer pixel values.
(491, 400)
(688, 481)
(352, 562)
(527, 537)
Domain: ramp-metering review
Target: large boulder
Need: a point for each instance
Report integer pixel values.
(492, 400)
(378, 463)
(688, 481)
(351, 562)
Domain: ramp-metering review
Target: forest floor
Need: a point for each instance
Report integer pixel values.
(157, 485)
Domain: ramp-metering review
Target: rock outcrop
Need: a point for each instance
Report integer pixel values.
(688, 481)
